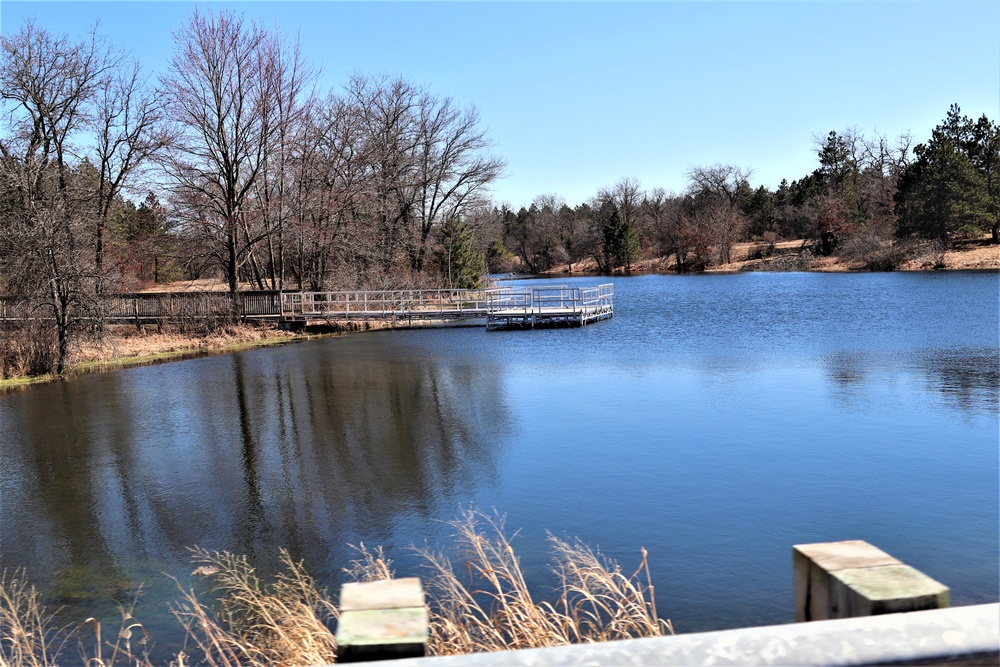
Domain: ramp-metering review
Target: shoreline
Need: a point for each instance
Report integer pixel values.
(136, 348)
(194, 348)
(793, 257)
(99, 359)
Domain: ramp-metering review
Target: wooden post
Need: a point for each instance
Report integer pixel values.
(382, 620)
(854, 578)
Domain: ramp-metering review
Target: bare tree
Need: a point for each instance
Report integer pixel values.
(47, 86)
(127, 124)
(652, 218)
(286, 77)
(718, 192)
(342, 203)
(453, 168)
(387, 145)
(228, 90)
(883, 160)
(424, 163)
(627, 196)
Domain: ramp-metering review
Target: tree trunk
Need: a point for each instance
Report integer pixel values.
(233, 271)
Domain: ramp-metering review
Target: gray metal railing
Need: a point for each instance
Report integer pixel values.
(384, 303)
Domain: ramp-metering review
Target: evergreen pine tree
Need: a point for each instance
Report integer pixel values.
(461, 266)
(944, 191)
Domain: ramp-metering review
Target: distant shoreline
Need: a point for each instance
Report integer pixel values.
(794, 256)
(132, 348)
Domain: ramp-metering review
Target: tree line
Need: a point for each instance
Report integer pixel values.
(869, 199)
(234, 164)
(253, 174)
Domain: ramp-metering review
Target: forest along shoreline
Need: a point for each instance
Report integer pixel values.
(788, 256)
(125, 346)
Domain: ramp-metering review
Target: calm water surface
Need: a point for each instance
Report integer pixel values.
(717, 420)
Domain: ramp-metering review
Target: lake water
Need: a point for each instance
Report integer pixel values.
(716, 421)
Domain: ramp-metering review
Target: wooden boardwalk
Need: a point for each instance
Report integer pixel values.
(499, 308)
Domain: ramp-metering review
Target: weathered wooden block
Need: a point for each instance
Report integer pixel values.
(854, 578)
(382, 620)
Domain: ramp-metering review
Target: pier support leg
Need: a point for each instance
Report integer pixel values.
(854, 578)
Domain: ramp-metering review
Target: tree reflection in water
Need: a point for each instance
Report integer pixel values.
(966, 379)
(109, 478)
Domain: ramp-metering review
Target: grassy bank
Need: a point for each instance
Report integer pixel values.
(123, 346)
(238, 620)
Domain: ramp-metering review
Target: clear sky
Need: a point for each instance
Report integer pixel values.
(577, 95)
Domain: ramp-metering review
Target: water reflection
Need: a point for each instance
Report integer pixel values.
(964, 379)
(309, 447)
(967, 379)
(714, 421)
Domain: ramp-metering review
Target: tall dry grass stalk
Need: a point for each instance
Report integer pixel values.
(256, 624)
(495, 611)
(104, 653)
(29, 636)
(286, 621)
(371, 565)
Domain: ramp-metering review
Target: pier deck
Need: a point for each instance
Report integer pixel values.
(549, 306)
(501, 308)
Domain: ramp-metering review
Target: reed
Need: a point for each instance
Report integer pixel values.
(492, 609)
(28, 634)
(30, 637)
(254, 623)
(242, 620)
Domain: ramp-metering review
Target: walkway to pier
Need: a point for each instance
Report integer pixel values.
(504, 307)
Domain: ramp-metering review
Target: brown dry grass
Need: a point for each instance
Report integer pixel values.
(30, 637)
(245, 621)
(495, 610)
(126, 342)
(963, 254)
(281, 623)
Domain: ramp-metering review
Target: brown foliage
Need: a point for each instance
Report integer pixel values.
(286, 621)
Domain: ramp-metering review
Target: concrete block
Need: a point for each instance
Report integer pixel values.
(886, 589)
(382, 620)
(388, 594)
(854, 578)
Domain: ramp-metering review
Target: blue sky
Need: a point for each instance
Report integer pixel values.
(579, 95)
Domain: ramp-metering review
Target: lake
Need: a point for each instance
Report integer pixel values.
(716, 421)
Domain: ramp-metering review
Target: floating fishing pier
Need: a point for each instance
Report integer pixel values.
(501, 308)
(527, 308)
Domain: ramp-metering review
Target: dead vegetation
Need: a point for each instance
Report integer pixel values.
(126, 341)
(31, 637)
(26, 348)
(254, 623)
(493, 609)
(238, 619)
(864, 253)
